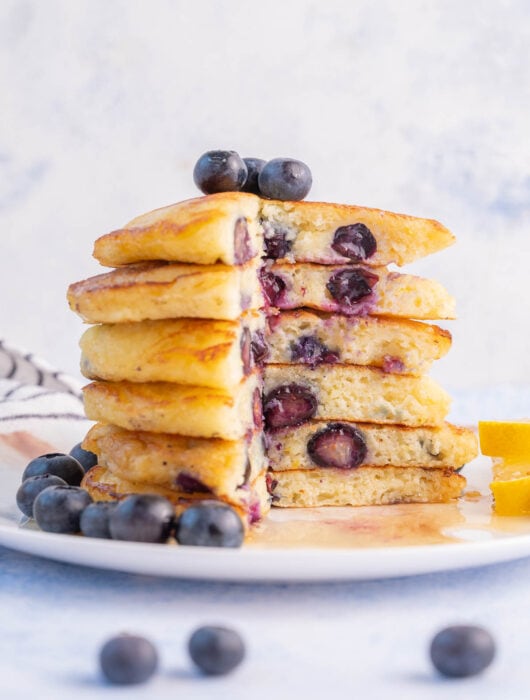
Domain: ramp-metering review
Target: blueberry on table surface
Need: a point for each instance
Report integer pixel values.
(85, 458)
(142, 518)
(220, 171)
(64, 466)
(59, 508)
(462, 650)
(254, 168)
(210, 524)
(128, 660)
(285, 179)
(95, 519)
(31, 487)
(216, 650)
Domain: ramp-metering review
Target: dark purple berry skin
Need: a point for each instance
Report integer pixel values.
(64, 466)
(210, 524)
(272, 286)
(254, 168)
(30, 489)
(95, 519)
(462, 650)
(246, 351)
(348, 287)
(338, 445)
(285, 179)
(220, 171)
(355, 242)
(142, 518)
(59, 508)
(189, 484)
(288, 405)
(242, 244)
(216, 650)
(275, 241)
(310, 351)
(128, 660)
(85, 458)
(260, 350)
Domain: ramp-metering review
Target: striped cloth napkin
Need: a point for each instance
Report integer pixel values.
(39, 406)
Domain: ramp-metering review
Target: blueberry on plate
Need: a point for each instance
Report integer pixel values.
(85, 458)
(462, 650)
(142, 518)
(95, 519)
(64, 466)
(210, 524)
(254, 168)
(216, 650)
(220, 171)
(128, 660)
(59, 508)
(286, 179)
(31, 487)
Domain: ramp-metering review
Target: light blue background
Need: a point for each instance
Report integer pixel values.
(419, 106)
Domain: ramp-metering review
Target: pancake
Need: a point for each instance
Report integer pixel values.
(158, 290)
(343, 444)
(355, 290)
(162, 407)
(402, 346)
(102, 485)
(365, 486)
(204, 230)
(349, 393)
(220, 468)
(200, 352)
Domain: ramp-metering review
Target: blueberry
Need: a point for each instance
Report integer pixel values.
(189, 484)
(288, 405)
(30, 489)
(85, 458)
(210, 524)
(59, 508)
(350, 286)
(273, 287)
(276, 241)
(216, 650)
(254, 168)
(338, 445)
(65, 466)
(285, 179)
(128, 660)
(243, 250)
(462, 650)
(246, 351)
(220, 171)
(260, 349)
(142, 518)
(95, 519)
(310, 351)
(355, 242)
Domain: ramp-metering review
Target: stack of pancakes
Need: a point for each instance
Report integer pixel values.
(219, 301)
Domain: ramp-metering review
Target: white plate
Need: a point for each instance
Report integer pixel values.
(299, 545)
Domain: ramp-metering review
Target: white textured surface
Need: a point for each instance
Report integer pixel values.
(420, 107)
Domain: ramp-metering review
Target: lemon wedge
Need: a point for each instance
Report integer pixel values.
(507, 439)
(512, 497)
